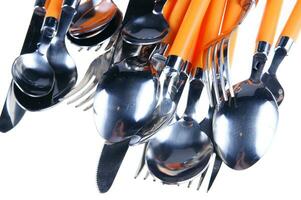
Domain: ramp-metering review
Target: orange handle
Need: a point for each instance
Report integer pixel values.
(175, 19)
(210, 28)
(168, 7)
(269, 21)
(293, 25)
(232, 15)
(54, 8)
(186, 39)
(47, 4)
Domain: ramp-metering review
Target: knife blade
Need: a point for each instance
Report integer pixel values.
(109, 164)
(112, 155)
(12, 113)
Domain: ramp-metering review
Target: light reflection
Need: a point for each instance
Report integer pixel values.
(144, 100)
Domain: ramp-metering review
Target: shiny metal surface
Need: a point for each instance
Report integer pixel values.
(244, 127)
(180, 151)
(60, 61)
(172, 81)
(92, 16)
(125, 100)
(269, 78)
(12, 113)
(58, 56)
(96, 38)
(147, 29)
(32, 72)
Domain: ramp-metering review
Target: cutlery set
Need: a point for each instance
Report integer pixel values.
(152, 58)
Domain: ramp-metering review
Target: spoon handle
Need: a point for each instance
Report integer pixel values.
(289, 34)
(195, 90)
(265, 37)
(68, 12)
(50, 24)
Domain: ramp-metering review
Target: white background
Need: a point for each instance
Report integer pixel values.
(54, 154)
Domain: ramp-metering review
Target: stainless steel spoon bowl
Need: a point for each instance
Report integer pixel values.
(181, 151)
(125, 99)
(245, 126)
(60, 61)
(32, 72)
(147, 29)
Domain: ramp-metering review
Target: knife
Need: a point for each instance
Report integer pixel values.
(12, 113)
(112, 155)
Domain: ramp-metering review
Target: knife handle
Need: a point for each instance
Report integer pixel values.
(293, 25)
(187, 36)
(269, 21)
(54, 8)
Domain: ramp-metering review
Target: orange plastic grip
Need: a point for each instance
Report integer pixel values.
(46, 4)
(168, 7)
(232, 15)
(175, 19)
(293, 25)
(210, 28)
(54, 8)
(269, 21)
(186, 39)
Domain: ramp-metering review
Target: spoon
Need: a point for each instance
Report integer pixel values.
(181, 151)
(60, 61)
(288, 36)
(240, 130)
(12, 113)
(92, 16)
(32, 73)
(147, 29)
(169, 166)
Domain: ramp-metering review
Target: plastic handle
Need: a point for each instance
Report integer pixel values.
(233, 14)
(168, 7)
(186, 39)
(210, 28)
(269, 21)
(47, 4)
(54, 9)
(175, 19)
(293, 25)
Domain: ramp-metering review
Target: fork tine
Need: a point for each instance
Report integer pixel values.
(146, 175)
(89, 98)
(214, 75)
(227, 63)
(202, 179)
(142, 162)
(87, 77)
(189, 184)
(207, 80)
(88, 107)
(221, 69)
(85, 92)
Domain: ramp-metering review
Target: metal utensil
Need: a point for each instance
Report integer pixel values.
(92, 16)
(104, 167)
(12, 113)
(147, 29)
(32, 73)
(181, 151)
(285, 41)
(218, 58)
(158, 163)
(240, 131)
(95, 71)
(60, 61)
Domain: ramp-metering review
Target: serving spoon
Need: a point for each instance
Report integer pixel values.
(240, 130)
